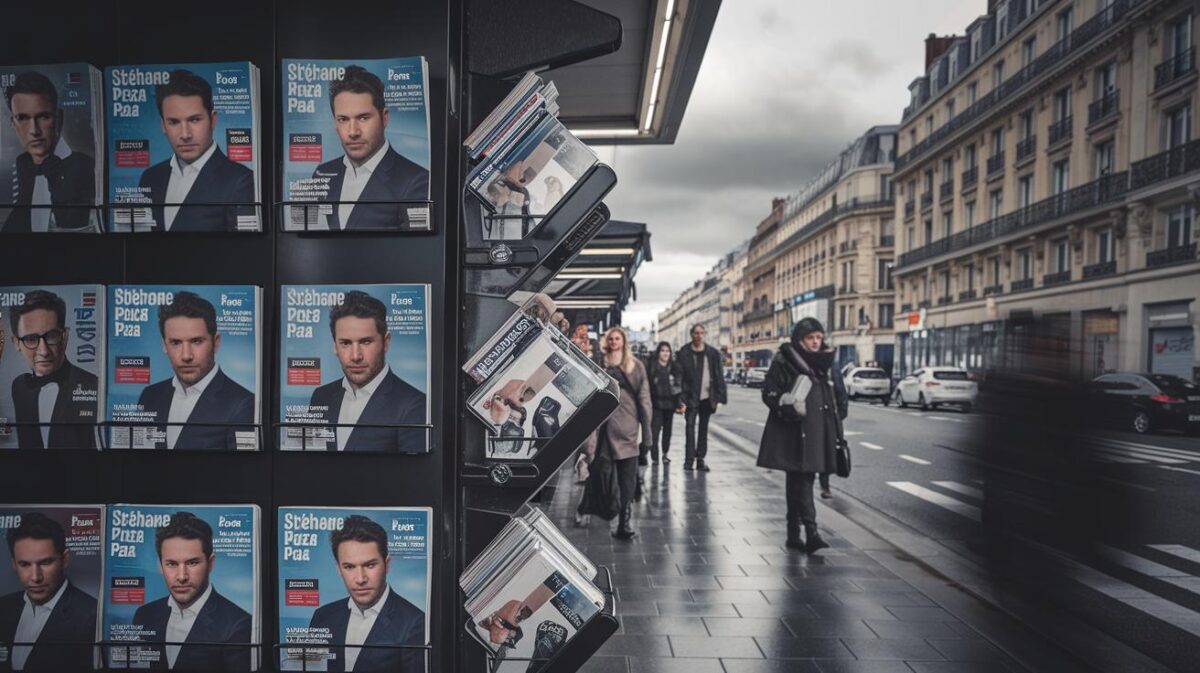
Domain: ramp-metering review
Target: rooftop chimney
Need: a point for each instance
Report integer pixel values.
(936, 46)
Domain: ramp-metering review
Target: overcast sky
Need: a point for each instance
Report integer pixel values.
(785, 85)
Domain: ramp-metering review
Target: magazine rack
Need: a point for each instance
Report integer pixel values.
(281, 219)
(111, 209)
(98, 214)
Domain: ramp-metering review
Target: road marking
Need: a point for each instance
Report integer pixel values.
(868, 445)
(914, 459)
(1151, 569)
(1178, 469)
(852, 433)
(1185, 553)
(1142, 457)
(946, 502)
(960, 488)
(747, 420)
(1121, 442)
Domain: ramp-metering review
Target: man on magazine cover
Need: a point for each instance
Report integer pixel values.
(199, 392)
(374, 614)
(192, 611)
(55, 403)
(49, 172)
(370, 169)
(369, 393)
(197, 172)
(49, 609)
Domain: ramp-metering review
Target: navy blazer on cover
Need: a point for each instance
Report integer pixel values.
(73, 620)
(66, 410)
(394, 179)
(221, 181)
(394, 402)
(219, 621)
(400, 623)
(223, 401)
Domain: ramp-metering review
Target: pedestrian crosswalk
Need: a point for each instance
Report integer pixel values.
(1108, 450)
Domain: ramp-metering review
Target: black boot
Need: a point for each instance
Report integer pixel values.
(815, 543)
(793, 535)
(637, 489)
(701, 465)
(624, 532)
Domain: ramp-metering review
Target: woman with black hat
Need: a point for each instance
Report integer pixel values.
(801, 435)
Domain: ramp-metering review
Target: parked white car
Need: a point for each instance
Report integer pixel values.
(755, 377)
(929, 387)
(868, 382)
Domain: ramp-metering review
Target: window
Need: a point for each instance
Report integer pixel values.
(1061, 249)
(950, 109)
(929, 181)
(972, 93)
(1025, 263)
(1002, 21)
(1062, 104)
(885, 187)
(1027, 124)
(1064, 23)
(969, 155)
(994, 263)
(883, 274)
(998, 73)
(997, 203)
(1028, 51)
(1179, 126)
(912, 138)
(886, 315)
(1179, 226)
(945, 282)
(969, 214)
(1024, 190)
(842, 311)
(1106, 79)
(947, 223)
(1105, 157)
(1060, 176)
(947, 169)
(1181, 34)
(928, 232)
(910, 238)
(969, 274)
(912, 190)
(1104, 245)
(929, 125)
(997, 140)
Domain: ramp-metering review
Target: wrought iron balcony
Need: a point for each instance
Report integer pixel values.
(946, 299)
(995, 164)
(970, 177)
(847, 246)
(887, 241)
(1165, 165)
(1026, 147)
(1177, 254)
(924, 303)
(966, 295)
(910, 207)
(1057, 278)
(1099, 270)
(759, 314)
(905, 308)
(1023, 284)
(1104, 108)
(1175, 68)
(926, 200)
(1060, 131)
(946, 190)
(992, 289)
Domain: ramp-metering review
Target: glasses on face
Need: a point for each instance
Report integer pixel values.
(52, 338)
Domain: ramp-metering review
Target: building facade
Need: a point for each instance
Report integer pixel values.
(1047, 174)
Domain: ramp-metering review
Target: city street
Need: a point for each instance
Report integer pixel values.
(919, 471)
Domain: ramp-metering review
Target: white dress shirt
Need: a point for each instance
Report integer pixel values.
(183, 402)
(180, 623)
(183, 177)
(33, 620)
(40, 219)
(353, 403)
(355, 180)
(359, 626)
(47, 396)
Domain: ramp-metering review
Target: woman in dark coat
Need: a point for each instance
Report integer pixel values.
(801, 446)
(666, 397)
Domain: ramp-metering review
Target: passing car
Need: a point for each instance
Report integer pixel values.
(755, 377)
(930, 387)
(868, 382)
(1145, 403)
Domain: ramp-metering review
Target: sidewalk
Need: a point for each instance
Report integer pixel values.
(707, 586)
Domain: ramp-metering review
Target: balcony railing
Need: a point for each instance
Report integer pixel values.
(924, 303)
(970, 177)
(1165, 165)
(847, 246)
(887, 241)
(946, 190)
(926, 200)
(1059, 131)
(1026, 147)
(1099, 270)
(992, 289)
(1052, 56)
(759, 314)
(1056, 278)
(947, 299)
(966, 295)
(1175, 68)
(1023, 284)
(1095, 193)
(905, 308)
(910, 207)
(995, 164)
(1104, 108)
(1178, 254)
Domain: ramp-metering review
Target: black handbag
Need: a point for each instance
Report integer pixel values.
(842, 457)
(602, 493)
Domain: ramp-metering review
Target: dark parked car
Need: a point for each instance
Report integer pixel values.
(1146, 402)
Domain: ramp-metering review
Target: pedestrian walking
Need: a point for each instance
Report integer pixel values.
(803, 445)
(703, 392)
(618, 437)
(666, 398)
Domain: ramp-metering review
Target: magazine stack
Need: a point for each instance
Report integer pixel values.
(532, 380)
(527, 161)
(528, 594)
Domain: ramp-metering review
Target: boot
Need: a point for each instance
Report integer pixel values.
(624, 532)
(815, 543)
(793, 535)
(701, 465)
(641, 482)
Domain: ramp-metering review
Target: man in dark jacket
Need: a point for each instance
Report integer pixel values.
(703, 391)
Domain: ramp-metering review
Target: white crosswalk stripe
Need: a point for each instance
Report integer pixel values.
(960, 488)
(852, 433)
(944, 501)
(914, 459)
(1181, 551)
(869, 445)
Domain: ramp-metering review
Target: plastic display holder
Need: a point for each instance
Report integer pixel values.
(316, 427)
(315, 666)
(257, 427)
(113, 209)
(8, 208)
(281, 219)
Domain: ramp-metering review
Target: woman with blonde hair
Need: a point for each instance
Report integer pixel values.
(618, 437)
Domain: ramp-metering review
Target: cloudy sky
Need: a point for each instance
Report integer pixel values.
(784, 86)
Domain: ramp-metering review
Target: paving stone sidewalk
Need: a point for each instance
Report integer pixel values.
(707, 586)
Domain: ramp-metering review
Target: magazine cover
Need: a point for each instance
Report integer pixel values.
(532, 609)
(165, 559)
(181, 136)
(51, 366)
(334, 561)
(184, 359)
(51, 149)
(356, 135)
(58, 561)
(354, 360)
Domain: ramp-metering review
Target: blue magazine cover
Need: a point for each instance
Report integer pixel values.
(334, 560)
(52, 152)
(354, 360)
(180, 136)
(74, 575)
(184, 360)
(356, 139)
(62, 358)
(198, 560)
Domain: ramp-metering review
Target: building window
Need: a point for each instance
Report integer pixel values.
(886, 315)
(1028, 51)
(997, 140)
(997, 203)
(998, 73)
(1179, 226)
(1104, 245)
(1025, 264)
(1064, 23)
(950, 109)
(885, 187)
(969, 214)
(1181, 34)
(929, 181)
(910, 238)
(1105, 157)
(994, 263)
(842, 311)
(972, 93)
(1024, 190)
(1001, 21)
(1179, 126)
(969, 274)
(969, 156)
(1060, 176)
(1106, 79)
(928, 232)
(929, 125)
(945, 282)
(1062, 104)
(912, 138)
(1062, 255)
(947, 223)
(1027, 124)
(947, 169)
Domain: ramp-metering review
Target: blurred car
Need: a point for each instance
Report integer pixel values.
(755, 377)
(1144, 403)
(868, 382)
(930, 387)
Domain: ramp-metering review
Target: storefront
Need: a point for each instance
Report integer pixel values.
(1171, 339)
